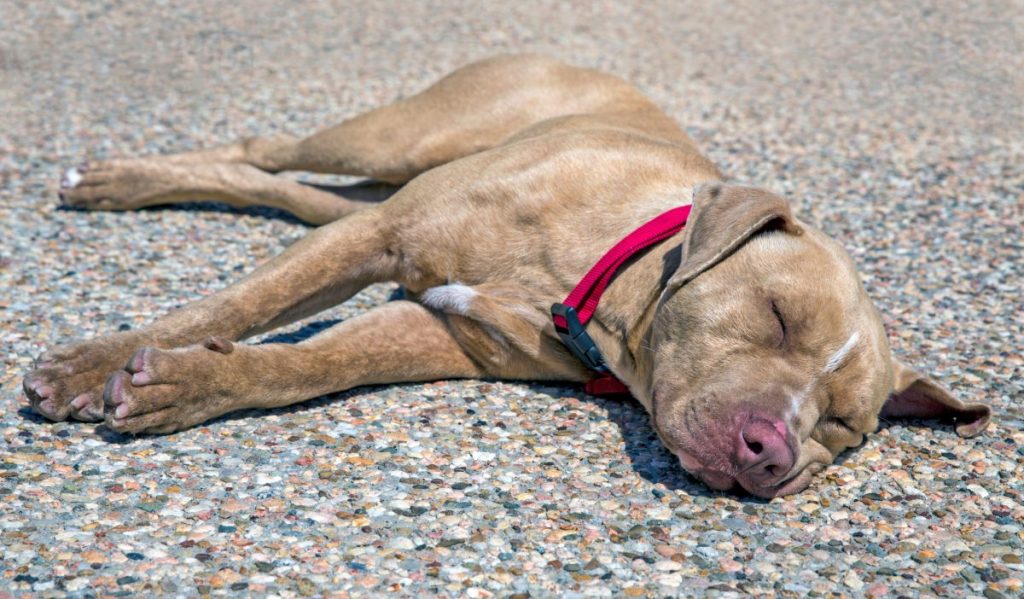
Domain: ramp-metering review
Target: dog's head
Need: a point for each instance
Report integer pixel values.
(769, 357)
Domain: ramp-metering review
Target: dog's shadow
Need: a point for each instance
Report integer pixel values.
(646, 454)
(365, 191)
(642, 448)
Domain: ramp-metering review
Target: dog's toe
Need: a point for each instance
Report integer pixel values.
(114, 397)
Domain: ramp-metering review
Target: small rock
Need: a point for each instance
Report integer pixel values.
(853, 581)
(403, 543)
(667, 565)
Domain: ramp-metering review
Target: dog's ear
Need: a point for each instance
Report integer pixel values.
(722, 218)
(917, 396)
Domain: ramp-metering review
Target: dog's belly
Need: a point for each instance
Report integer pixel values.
(540, 212)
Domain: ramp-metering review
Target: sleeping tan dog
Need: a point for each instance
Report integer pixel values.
(747, 336)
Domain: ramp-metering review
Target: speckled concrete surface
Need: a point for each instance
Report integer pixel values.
(897, 129)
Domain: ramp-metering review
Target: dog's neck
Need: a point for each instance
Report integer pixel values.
(626, 316)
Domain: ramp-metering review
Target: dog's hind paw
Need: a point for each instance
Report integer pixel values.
(117, 184)
(73, 176)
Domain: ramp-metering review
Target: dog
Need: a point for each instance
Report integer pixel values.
(747, 335)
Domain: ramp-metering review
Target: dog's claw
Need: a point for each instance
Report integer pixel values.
(39, 388)
(82, 401)
(137, 363)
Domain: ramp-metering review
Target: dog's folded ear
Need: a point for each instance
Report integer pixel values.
(723, 217)
(917, 396)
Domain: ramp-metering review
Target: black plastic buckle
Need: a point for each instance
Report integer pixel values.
(575, 337)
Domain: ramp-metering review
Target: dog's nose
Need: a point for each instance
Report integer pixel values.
(762, 455)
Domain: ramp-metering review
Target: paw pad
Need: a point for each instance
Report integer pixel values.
(219, 345)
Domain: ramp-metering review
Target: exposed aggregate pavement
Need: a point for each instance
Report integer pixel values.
(896, 128)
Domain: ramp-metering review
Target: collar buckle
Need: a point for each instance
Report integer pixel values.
(575, 337)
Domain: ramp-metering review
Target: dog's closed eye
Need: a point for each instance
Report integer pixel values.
(840, 423)
(782, 322)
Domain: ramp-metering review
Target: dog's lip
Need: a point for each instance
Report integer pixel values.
(689, 462)
(787, 486)
(719, 481)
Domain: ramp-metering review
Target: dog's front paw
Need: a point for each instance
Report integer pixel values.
(162, 391)
(68, 380)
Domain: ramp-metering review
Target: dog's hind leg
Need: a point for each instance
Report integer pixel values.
(475, 108)
(324, 268)
(131, 184)
(166, 390)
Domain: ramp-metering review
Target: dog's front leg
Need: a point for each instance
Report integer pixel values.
(167, 390)
(325, 268)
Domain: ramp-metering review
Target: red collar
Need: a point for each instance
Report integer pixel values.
(572, 315)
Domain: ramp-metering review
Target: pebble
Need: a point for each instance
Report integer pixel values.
(852, 580)
(403, 543)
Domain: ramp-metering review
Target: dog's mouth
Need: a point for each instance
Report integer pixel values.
(788, 484)
(741, 447)
(757, 454)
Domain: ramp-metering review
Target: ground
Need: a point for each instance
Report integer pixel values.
(896, 128)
